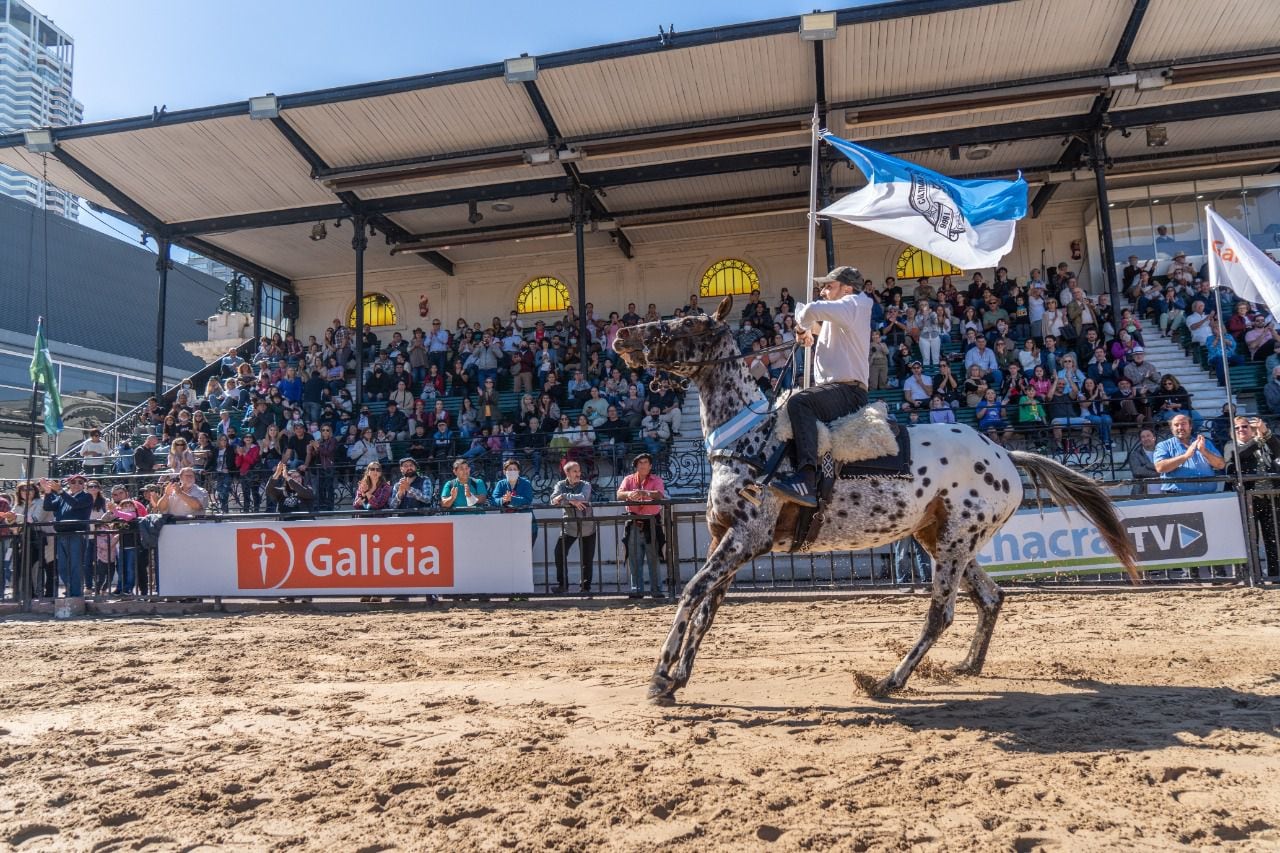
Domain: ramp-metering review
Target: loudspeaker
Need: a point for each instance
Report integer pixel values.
(289, 307)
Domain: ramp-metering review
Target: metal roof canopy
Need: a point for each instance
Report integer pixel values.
(679, 121)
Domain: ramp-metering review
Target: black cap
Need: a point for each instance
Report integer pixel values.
(844, 275)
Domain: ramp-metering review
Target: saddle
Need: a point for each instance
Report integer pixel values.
(858, 446)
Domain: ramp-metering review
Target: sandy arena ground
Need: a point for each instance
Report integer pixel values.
(1142, 721)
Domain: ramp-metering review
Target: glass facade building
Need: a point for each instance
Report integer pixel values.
(36, 60)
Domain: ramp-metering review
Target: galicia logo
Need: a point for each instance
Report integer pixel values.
(387, 556)
(1171, 537)
(264, 558)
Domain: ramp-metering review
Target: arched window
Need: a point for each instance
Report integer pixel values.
(729, 276)
(914, 263)
(544, 293)
(378, 311)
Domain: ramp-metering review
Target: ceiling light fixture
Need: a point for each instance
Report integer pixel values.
(264, 106)
(818, 26)
(522, 69)
(502, 207)
(318, 232)
(1157, 136)
(39, 141)
(978, 152)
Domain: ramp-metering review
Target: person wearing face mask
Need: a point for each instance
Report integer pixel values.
(514, 492)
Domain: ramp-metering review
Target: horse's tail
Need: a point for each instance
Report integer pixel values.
(1071, 488)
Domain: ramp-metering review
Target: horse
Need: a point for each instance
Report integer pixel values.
(961, 488)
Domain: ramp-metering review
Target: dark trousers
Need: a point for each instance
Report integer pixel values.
(587, 552)
(1264, 513)
(820, 403)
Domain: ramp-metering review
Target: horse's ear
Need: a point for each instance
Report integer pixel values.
(723, 310)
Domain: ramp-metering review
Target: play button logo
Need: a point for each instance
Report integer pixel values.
(1188, 536)
(1172, 537)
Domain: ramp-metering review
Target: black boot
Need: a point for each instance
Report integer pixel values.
(798, 488)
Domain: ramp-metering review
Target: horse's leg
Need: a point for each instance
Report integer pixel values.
(987, 597)
(701, 625)
(725, 556)
(947, 568)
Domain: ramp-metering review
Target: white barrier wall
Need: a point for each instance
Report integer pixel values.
(1201, 530)
(463, 554)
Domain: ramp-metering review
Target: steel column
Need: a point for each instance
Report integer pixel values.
(359, 242)
(580, 251)
(1098, 156)
(257, 307)
(163, 265)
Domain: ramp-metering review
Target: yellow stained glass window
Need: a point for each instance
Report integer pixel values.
(544, 293)
(727, 277)
(914, 263)
(378, 311)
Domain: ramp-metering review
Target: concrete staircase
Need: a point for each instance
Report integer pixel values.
(1167, 356)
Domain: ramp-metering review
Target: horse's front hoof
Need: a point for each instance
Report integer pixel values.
(966, 669)
(662, 691)
(662, 700)
(871, 687)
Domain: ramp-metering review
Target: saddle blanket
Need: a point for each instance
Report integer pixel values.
(865, 434)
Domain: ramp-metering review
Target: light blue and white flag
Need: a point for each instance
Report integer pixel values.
(968, 223)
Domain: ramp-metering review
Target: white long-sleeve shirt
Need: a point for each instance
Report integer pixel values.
(842, 351)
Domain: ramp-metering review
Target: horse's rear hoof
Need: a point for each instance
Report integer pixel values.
(662, 700)
(966, 669)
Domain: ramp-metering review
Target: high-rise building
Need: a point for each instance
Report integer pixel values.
(36, 59)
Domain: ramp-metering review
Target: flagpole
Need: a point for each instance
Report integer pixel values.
(24, 542)
(805, 379)
(1231, 409)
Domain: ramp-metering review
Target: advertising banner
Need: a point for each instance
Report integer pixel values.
(1173, 532)
(464, 554)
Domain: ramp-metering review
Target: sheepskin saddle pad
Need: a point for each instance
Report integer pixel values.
(864, 435)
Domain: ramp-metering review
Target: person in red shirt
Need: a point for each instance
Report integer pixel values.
(644, 539)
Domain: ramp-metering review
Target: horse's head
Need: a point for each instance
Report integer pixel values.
(676, 346)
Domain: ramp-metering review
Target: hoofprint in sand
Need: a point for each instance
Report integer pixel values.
(1138, 721)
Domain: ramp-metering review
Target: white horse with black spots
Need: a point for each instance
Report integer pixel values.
(962, 488)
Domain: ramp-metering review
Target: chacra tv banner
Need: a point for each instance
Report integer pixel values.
(1201, 530)
(482, 553)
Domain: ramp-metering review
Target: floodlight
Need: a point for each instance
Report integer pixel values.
(569, 155)
(522, 69)
(540, 156)
(318, 232)
(818, 26)
(39, 141)
(264, 106)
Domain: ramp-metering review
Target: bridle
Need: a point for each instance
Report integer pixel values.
(665, 338)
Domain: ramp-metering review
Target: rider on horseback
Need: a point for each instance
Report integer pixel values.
(841, 322)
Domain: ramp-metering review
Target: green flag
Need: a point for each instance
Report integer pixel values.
(42, 373)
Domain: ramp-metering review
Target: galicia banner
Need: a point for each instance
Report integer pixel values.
(471, 554)
(1201, 530)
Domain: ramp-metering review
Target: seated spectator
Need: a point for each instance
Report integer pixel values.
(940, 412)
(654, 431)
(1260, 339)
(1142, 375)
(984, 359)
(180, 455)
(1128, 407)
(1170, 399)
(395, 424)
(1199, 323)
(917, 388)
(1271, 392)
(1064, 411)
(442, 440)
(1095, 407)
(596, 408)
(992, 417)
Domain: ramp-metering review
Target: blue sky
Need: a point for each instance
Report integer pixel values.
(135, 54)
(132, 55)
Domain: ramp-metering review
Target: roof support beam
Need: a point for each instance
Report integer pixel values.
(587, 196)
(231, 259)
(350, 199)
(145, 218)
(1121, 57)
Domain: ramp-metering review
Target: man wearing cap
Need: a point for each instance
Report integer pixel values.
(838, 327)
(1141, 374)
(918, 387)
(70, 508)
(411, 492)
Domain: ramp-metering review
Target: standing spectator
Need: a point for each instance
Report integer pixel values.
(287, 490)
(573, 496)
(463, 491)
(412, 491)
(324, 463)
(1254, 452)
(94, 452)
(224, 469)
(374, 492)
(70, 508)
(248, 463)
(183, 498)
(31, 573)
(1180, 456)
(144, 457)
(515, 493)
(126, 511)
(644, 538)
